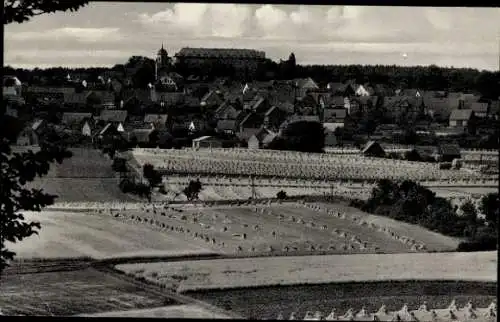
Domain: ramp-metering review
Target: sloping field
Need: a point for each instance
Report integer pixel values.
(239, 230)
(67, 235)
(168, 312)
(86, 176)
(265, 271)
(82, 189)
(432, 240)
(270, 302)
(85, 163)
(69, 293)
(290, 229)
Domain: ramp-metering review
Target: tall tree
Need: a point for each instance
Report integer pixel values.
(19, 168)
(16, 170)
(303, 136)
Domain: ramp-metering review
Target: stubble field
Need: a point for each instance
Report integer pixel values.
(79, 234)
(269, 302)
(288, 229)
(221, 274)
(69, 293)
(169, 312)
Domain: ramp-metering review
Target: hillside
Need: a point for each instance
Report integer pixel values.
(86, 176)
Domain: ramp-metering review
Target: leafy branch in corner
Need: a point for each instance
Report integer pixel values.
(16, 170)
(22, 10)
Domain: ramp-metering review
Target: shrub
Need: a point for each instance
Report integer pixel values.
(162, 190)
(412, 155)
(445, 166)
(410, 202)
(487, 242)
(140, 189)
(119, 165)
(281, 195)
(152, 175)
(193, 189)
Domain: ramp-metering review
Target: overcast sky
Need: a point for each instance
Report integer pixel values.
(104, 34)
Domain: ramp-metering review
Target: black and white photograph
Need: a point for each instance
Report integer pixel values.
(249, 161)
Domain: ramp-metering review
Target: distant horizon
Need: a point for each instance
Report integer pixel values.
(103, 34)
(323, 65)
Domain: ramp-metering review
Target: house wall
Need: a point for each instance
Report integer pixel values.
(23, 139)
(86, 131)
(347, 105)
(253, 143)
(207, 144)
(458, 123)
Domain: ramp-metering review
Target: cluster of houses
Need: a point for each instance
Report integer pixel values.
(253, 112)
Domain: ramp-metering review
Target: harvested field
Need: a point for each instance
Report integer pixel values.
(213, 192)
(69, 293)
(86, 176)
(464, 191)
(289, 164)
(269, 302)
(432, 240)
(83, 189)
(168, 312)
(67, 234)
(291, 229)
(85, 163)
(226, 188)
(272, 271)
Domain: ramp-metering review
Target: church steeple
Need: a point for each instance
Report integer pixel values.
(162, 62)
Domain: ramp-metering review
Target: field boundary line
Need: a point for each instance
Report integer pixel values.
(154, 288)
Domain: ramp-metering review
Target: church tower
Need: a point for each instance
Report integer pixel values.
(162, 62)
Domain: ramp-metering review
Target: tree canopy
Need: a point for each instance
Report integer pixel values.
(19, 168)
(410, 202)
(23, 10)
(303, 136)
(484, 82)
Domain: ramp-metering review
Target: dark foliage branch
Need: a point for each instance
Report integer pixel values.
(16, 170)
(193, 189)
(410, 202)
(22, 10)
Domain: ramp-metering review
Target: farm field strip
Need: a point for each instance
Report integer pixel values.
(432, 240)
(214, 192)
(239, 230)
(373, 238)
(82, 189)
(287, 229)
(326, 166)
(270, 302)
(252, 272)
(314, 234)
(68, 293)
(311, 183)
(264, 155)
(100, 236)
(85, 163)
(188, 311)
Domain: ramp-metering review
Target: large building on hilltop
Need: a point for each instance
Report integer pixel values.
(238, 58)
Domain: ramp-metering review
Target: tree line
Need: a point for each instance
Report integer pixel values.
(141, 70)
(410, 202)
